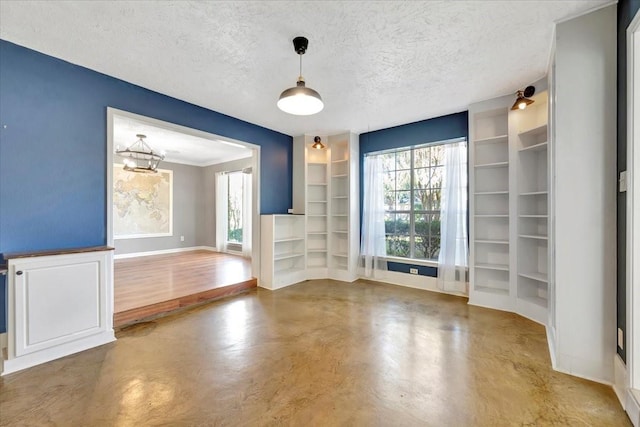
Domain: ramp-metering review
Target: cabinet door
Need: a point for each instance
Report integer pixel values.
(57, 300)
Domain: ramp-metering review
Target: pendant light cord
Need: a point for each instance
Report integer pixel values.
(300, 76)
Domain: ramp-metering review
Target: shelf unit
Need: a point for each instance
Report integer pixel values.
(489, 206)
(533, 208)
(283, 257)
(344, 210)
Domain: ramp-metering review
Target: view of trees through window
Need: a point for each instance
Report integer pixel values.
(234, 213)
(412, 195)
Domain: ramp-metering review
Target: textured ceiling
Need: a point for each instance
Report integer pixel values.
(178, 147)
(376, 64)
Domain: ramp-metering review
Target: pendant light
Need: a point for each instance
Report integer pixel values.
(522, 98)
(139, 157)
(300, 100)
(317, 143)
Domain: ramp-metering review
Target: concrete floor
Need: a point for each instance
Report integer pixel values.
(317, 353)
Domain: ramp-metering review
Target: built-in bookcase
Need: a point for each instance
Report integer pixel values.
(283, 260)
(509, 206)
(489, 205)
(317, 209)
(533, 208)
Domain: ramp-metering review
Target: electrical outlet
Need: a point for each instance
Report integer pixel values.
(623, 181)
(182, 238)
(620, 339)
(413, 270)
(290, 211)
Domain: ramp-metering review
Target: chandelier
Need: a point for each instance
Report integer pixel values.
(139, 157)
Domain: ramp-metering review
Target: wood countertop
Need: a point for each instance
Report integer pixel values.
(48, 252)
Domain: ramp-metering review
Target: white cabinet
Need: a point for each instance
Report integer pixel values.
(58, 305)
(283, 260)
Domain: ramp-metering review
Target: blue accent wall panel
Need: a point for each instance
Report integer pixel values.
(422, 132)
(53, 147)
(626, 11)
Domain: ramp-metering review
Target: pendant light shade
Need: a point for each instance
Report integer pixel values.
(522, 98)
(300, 100)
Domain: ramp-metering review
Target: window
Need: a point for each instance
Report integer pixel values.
(234, 208)
(412, 195)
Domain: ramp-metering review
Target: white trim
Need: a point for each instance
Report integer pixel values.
(164, 251)
(426, 283)
(3, 343)
(633, 407)
(586, 12)
(633, 219)
(621, 380)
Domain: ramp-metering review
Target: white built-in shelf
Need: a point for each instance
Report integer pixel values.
(340, 197)
(534, 193)
(289, 255)
(317, 215)
(344, 175)
(317, 201)
(318, 183)
(340, 231)
(536, 147)
(499, 267)
(340, 161)
(540, 277)
(339, 215)
(492, 290)
(492, 139)
(491, 193)
(493, 165)
(492, 216)
(535, 300)
(532, 216)
(340, 254)
(289, 239)
(317, 163)
(494, 242)
(538, 130)
(317, 233)
(533, 236)
(316, 250)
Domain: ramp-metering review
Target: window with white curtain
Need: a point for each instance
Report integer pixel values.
(413, 180)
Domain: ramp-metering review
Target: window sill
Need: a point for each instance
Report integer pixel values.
(423, 262)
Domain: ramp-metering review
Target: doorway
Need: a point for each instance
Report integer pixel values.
(163, 225)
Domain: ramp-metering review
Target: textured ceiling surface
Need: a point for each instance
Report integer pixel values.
(376, 64)
(178, 147)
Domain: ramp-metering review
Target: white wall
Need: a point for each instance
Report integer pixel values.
(585, 194)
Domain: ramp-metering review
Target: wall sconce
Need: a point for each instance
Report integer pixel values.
(317, 143)
(522, 99)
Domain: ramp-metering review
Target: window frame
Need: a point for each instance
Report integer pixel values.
(235, 246)
(412, 212)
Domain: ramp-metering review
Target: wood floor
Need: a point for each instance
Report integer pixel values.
(152, 285)
(319, 353)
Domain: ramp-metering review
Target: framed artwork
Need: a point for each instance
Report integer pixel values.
(142, 203)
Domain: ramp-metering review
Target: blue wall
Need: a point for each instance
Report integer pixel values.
(422, 132)
(626, 11)
(53, 149)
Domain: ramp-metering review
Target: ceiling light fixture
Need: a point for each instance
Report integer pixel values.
(300, 100)
(317, 143)
(522, 99)
(139, 157)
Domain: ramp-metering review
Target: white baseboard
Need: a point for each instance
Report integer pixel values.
(415, 281)
(164, 251)
(36, 358)
(621, 380)
(633, 407)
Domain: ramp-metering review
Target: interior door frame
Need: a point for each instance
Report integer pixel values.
(255, 164)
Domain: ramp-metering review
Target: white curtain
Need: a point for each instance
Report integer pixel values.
(372, 245)
(454, 253)
(222, 188)
(247, 211)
